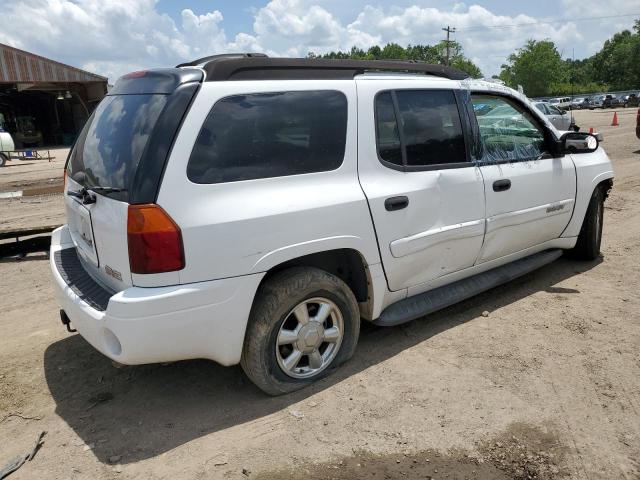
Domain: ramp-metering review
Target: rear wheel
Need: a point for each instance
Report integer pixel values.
(3, 159)
(590, 237)
(303, 324)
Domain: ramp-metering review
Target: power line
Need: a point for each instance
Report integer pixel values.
(583, 19)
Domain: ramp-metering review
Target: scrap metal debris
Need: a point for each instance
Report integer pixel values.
(19, 415)
(20, 460)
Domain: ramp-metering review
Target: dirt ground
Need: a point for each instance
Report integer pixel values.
(40, 182)
(546, 386)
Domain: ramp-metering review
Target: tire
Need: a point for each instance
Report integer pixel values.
(3, 159)
(266, 360)
(590, 237)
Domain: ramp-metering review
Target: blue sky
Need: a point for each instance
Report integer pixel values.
(239, 14)
(112, 37)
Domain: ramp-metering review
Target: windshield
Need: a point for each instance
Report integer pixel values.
(109, 148)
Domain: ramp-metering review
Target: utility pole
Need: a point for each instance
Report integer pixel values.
(449, 31)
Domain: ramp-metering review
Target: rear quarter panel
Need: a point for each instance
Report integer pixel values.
(239, 228)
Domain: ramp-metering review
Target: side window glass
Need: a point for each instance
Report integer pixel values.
(388, 138)
(507, 131)
(431, 127)
(422, 129)
(266, 135)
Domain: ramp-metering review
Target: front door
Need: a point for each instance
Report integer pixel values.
(529, 194)
(426, 198)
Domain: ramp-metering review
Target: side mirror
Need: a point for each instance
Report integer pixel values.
(563, 112)
(576, 142)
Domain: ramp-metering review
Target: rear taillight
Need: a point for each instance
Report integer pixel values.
(155, 241)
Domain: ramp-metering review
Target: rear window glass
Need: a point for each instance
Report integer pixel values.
(267, 135)
(110, 147)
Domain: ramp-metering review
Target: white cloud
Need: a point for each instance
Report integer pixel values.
(111, 37)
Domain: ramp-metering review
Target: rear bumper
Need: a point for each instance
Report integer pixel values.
(149, 325)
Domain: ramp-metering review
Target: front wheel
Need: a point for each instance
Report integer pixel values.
(3, 159)
(590, 237)
(303, 323)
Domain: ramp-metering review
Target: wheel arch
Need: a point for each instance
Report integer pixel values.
(593, 171)
(605, 185)
(347, 264)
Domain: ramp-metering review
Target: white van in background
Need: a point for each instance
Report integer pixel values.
(563, 103)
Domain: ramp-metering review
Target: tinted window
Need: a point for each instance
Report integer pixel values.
(429, 124)
(431, 127)
(270, 135)
(507, 131)
(387, 130)
(110, 147)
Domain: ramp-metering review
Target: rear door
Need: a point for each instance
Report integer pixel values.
(529, 194)
(426, 198)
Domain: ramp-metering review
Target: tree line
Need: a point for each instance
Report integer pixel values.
(538, 66)
(540, 69)
(419, 53)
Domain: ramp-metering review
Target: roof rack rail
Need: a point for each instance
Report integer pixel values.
(261, 67)
(210, 58)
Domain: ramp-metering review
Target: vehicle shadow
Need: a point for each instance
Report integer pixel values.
(140, 412)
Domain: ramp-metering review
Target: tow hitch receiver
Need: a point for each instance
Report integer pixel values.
(66, 321)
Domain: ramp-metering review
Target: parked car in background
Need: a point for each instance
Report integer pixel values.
(560, 118)
(596, 102)
(579, 103)
(563, 103)
(630, 100)
(611, 101)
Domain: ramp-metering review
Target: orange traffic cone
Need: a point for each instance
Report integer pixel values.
(590, 130)
(614, 123)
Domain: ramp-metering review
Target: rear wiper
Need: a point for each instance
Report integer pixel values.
(84, 193)
(106, 189)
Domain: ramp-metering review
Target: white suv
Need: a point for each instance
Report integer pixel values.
(252, 210)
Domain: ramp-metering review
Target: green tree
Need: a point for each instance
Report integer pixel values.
(617, 64)
(537, 67)
(419, 53)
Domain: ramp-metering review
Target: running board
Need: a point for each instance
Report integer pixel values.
(441, 297)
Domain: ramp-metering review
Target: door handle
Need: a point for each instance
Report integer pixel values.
(396, 203)
(501, 185)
